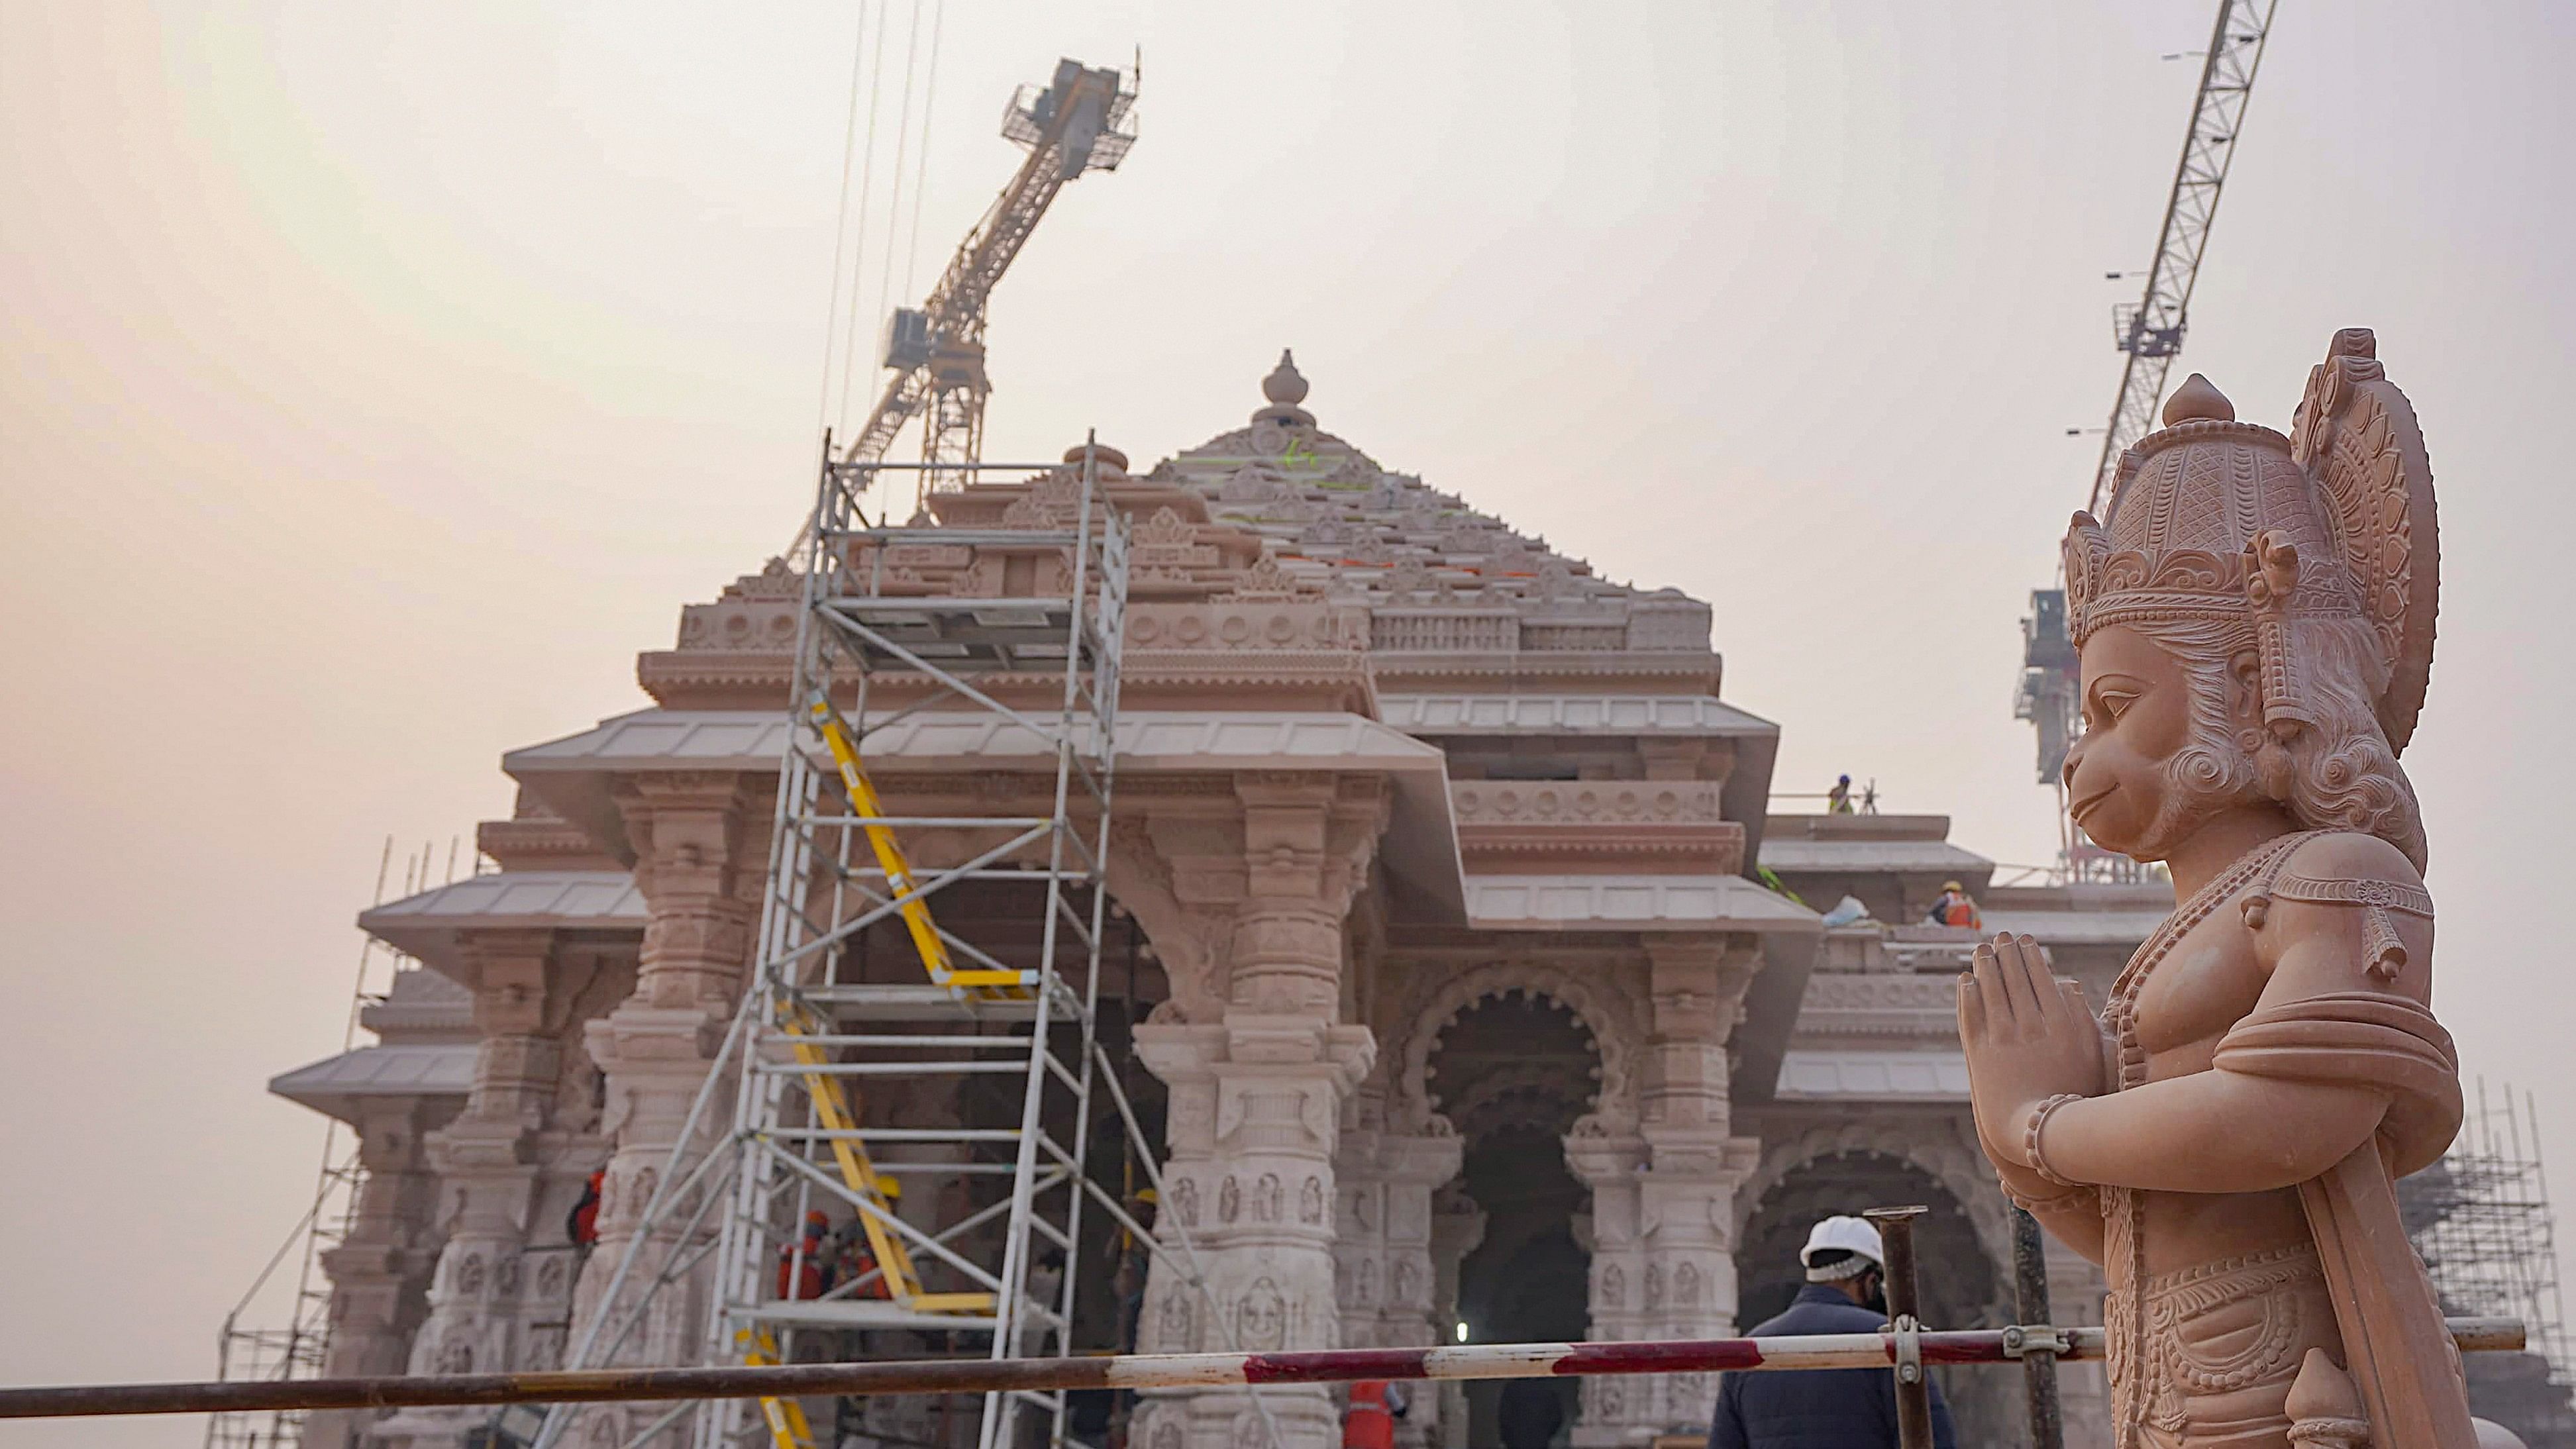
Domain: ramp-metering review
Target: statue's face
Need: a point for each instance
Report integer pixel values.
(2120, 781)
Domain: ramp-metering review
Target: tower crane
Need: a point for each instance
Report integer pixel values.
(1071, 125)
(2150, 334)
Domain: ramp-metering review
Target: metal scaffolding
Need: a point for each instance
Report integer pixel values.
(298, 1348)
(252, 1346)
(965, 1226)
(2482, 1221)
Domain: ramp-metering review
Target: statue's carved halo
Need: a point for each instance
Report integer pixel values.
(2344, 506)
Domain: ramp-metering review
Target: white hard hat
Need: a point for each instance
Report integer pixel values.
(1852, 1235)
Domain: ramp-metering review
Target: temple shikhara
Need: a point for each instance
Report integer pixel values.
(1450, 961)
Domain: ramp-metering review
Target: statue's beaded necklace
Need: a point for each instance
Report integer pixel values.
(2120, 1013)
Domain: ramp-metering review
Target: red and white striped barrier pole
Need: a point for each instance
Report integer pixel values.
(1133, 1371)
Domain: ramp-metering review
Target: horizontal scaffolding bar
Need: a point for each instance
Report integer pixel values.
(858, 1313)
(923, 1042)
(941, 822)
(896, 1134)
(892, 1069)
(1132, 1371)
(871, 465)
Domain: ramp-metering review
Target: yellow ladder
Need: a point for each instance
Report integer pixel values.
(833, 1109)
(977, 984)
(788, 1428)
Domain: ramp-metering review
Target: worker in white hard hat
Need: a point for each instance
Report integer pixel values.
(1824, 1408)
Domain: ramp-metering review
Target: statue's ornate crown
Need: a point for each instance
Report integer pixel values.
(2215, 519)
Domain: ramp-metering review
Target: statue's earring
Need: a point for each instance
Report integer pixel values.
(2245, 701)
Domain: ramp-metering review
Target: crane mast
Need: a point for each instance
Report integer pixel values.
(1071, 125)
(2149, 332)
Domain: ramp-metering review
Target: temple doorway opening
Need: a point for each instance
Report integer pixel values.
(1513, 1073)
(1957, 1279)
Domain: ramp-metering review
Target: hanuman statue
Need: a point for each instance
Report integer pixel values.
(2255, 617)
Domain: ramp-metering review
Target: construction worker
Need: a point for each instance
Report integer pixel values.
(1838, 800)
(802, 1265)
(856, 1259)
(581, 1225)
(1369, 1422)
(1825, 1408)
(1955, 907)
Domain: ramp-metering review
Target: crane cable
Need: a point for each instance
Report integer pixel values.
(867, 184)
(921, 177)
(841, 219)
(902, 153)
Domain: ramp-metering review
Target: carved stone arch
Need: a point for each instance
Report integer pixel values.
(1525, 1083)
(1941, 1154)
(1614, 1036)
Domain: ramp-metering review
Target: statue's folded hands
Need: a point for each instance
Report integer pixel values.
(2030, 1041)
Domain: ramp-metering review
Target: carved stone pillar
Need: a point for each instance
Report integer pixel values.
(1382, 1242)
(380, 1270)
(490, 1161)
(1457, 1227)
(1663, 1199)
(700, 845)
(1612, 1164)
(1382, 1249)
(1255, 1097)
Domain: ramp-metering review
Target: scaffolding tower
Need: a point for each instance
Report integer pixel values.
(256, 1353)
(252, 1347)
(2482, 1221)
(969, 1231)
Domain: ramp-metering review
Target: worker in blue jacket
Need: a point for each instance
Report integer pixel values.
(1824, 1408)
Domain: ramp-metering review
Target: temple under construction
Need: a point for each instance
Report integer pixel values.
(1256, 902)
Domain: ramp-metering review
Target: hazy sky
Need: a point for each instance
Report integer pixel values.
(376, 381)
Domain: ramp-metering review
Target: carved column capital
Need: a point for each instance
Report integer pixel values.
(1698, 982)
(511, 975)
(700, 845)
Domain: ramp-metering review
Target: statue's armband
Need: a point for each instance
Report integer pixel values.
(2381, 901)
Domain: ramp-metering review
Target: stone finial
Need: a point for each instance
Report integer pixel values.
(2197, 400)
(1285, 385)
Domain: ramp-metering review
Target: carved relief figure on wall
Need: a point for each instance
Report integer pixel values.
(2255, 619)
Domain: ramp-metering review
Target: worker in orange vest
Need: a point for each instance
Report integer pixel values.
(856, 1262)
(581, 1225)
(853, 1258)
(1955, 907)
(1369, 1423)
(803, 1271)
